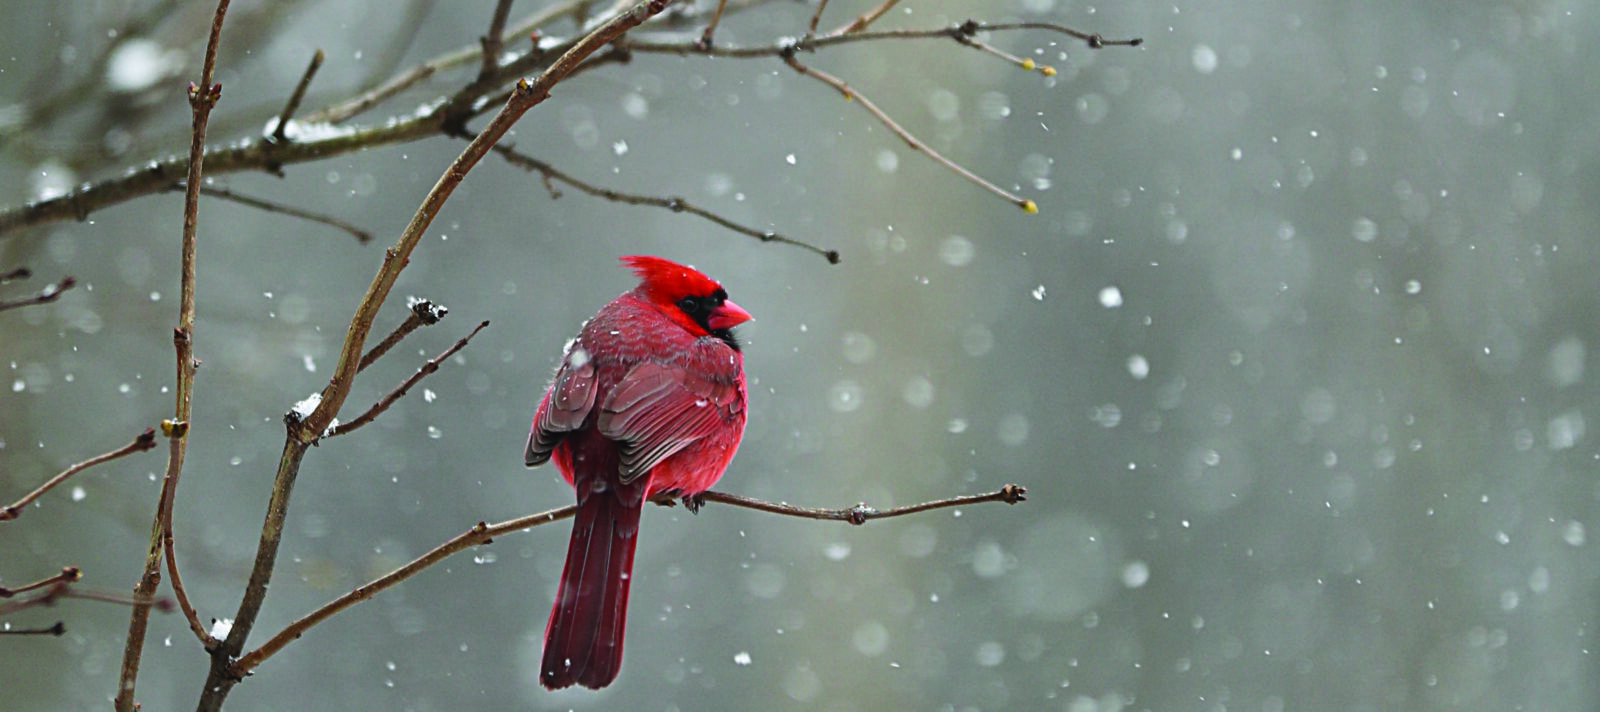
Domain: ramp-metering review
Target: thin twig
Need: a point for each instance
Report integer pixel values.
(866, 18)
(677, 205)
(278, 134)
(811, 31)
(1027, 65)
(49, 294)
(916, 144)
(482, 534)
(56, 590)
(68, 574)
(494, 40)
(400, 391)
(18, 273)
(423, 313)
(861, 513)
(362, 236)
(711, 28)
(812, 44)
(58, 629)
(398, 45)
(202, 98)
(145, 441)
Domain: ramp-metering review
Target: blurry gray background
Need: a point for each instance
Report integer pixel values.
(1293, 362)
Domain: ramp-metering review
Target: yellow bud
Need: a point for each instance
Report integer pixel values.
(1027, 64)
(1030, 207)
(1048, 70)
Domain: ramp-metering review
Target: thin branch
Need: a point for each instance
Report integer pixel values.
(478, 535)
(400, 391)
(399, 44)
(811, 31)
(482, 534)
(675, 204)
(49, 294)
(45, 598)
(812, 44)
(711, 28)
(362, 236)
(423, 313)
(145, 441)
(494, 41)
(866, 18)
(57, 630)
(861, 513)
(1027, 65)
(68, 575)
(916, 144)
(296, 97)
(202, 98)
(18, 273)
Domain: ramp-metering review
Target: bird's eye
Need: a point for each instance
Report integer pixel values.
(689, 304)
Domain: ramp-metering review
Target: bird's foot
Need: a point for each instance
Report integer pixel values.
(693, 503)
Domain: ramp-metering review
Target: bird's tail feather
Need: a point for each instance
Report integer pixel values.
(583, 639)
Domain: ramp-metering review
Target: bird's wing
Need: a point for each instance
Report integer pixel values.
(659, 409)
(564, 408)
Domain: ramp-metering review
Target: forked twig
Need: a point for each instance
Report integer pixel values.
(423, 313)
(400, 391)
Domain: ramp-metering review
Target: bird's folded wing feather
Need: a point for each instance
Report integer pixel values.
(659, 409)
(564, 408)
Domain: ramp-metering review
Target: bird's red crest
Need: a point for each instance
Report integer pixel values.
(667, 281)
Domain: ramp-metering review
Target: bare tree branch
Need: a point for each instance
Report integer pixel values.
(68, 575)
(866, 18)
(494, 41)
(481, 534)
(861, 513)
(423, 313)
(145, 441)
(49, 294)
(811, 30)
(400, 391)
(362, 236)
(202, 98)
(915, 143)
(295, 98)
(711, 28)
(58, 629)
(675, 204)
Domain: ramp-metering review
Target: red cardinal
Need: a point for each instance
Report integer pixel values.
(648, 400)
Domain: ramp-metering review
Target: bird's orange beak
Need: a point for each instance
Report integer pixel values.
(728, 315)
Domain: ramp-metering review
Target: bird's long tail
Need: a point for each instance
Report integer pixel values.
(583, 640)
